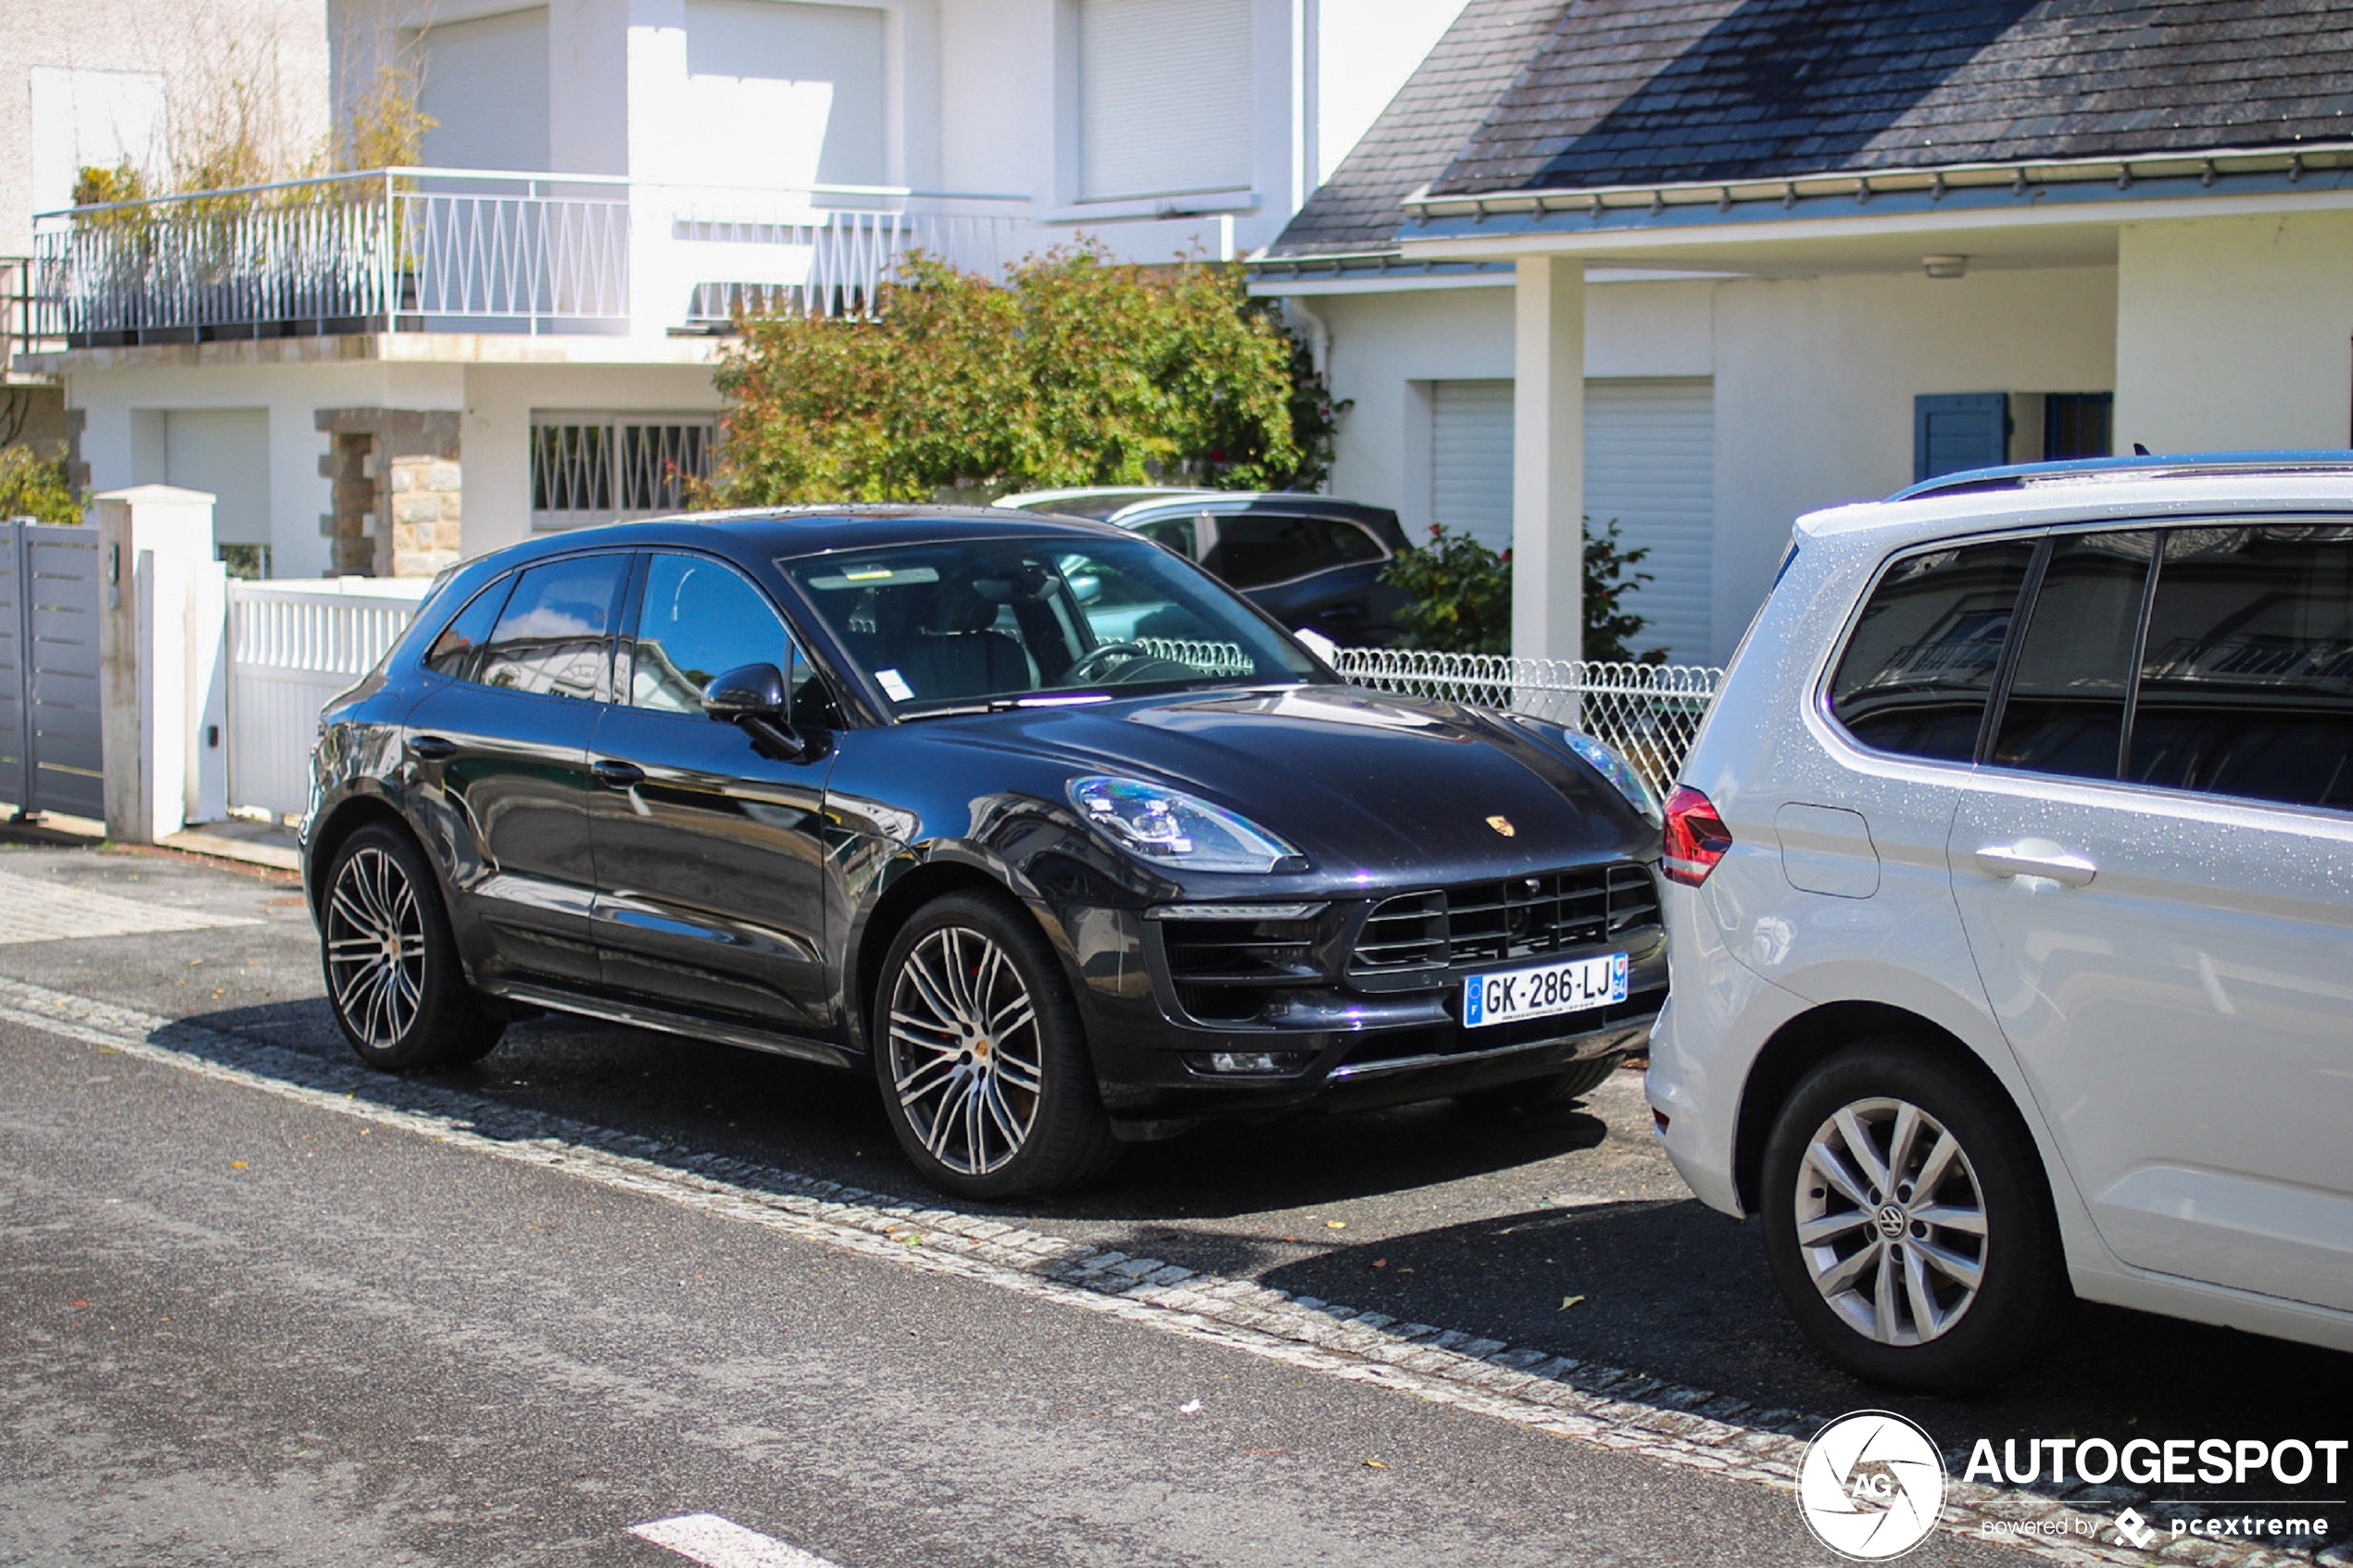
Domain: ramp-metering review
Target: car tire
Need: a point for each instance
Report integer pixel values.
(1571, 1084)
(1943, 1287)
(980, 1055)
(394, 981)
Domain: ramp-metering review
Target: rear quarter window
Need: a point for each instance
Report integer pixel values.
(1919, 667)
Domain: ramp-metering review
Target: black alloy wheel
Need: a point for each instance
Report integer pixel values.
(980, 1055)
(1908, 1221)
(394, 979)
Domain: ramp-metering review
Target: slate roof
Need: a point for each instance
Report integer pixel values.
(1419, 134)
(1563, 94)
(1639, 92)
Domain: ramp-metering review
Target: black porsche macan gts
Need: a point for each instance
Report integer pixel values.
(1030, 818)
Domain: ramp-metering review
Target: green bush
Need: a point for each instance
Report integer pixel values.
(1072, 371)
(1610, 627)
(1462, 596)
(30, 487)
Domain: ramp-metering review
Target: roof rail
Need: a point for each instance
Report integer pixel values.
(2018, 476)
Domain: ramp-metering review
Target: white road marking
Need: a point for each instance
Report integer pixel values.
(1589, 1403)
(43, 910)
(721, 1543)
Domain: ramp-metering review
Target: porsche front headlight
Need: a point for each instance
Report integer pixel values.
(1168, 827)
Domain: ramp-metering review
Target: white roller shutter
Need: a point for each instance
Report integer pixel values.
(1164, 100)
(226, 453)
(1470, 467)
(1650, 462)
(485, 85)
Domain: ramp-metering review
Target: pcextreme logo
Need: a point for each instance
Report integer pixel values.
(1871, 1486)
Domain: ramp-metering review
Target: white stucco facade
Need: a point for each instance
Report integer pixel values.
(2235, 332)
(1813, 380)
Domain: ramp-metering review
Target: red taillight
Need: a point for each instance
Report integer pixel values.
(1697, 837)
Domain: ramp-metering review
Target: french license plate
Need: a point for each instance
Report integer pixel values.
(1544, 990)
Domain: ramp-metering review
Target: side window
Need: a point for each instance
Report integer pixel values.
(1916, 673)
(2065, 710)
(1170, 533)
(2247, 677)
(1255, 549)
(554, 637)
(457, 650)
(1344, 540)
(700, 619)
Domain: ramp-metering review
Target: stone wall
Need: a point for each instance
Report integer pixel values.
(399, 490)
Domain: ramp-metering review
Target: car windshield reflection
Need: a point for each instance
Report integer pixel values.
(961, 624)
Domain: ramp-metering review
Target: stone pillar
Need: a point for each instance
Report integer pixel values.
(399, 490)
(1548, 459)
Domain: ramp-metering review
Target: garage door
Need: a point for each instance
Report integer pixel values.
(1649, 462)
(1470, 469)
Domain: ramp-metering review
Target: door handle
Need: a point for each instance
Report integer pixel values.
(2037, 857)
(432, 748)
(619, 774)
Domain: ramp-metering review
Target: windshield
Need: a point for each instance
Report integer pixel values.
(972, 622)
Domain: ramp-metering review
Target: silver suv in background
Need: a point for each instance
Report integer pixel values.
(2011, 924)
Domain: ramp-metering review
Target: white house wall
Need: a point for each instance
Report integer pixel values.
(1814, 382)
(1815, 379)
(2232, 332)
(123, 439)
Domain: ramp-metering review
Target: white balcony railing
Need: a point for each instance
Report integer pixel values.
(441, 250)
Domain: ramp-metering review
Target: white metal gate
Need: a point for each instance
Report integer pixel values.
(50, 758)
(292, 646)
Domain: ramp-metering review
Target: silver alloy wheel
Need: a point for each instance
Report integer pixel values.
(965, 1056)
(375, 948)
(1891, 1221)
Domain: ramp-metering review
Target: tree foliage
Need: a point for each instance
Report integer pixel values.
(30, 487)
(1610, 627)
(1462, 595)
(1072, 371)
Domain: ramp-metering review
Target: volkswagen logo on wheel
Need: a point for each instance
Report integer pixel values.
(1871, 1486)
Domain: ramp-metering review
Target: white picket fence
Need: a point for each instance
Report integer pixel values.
(293, 646)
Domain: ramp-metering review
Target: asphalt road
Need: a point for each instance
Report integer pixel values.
(363, 1344)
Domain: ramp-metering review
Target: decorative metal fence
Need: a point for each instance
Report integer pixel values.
(1649, 712)
(426, 249)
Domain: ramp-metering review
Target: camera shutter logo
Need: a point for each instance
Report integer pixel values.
(1871, 1487)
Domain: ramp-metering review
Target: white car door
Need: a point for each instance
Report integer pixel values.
(2154, 868)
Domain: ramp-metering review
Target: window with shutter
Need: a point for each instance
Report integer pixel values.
(1956, 431)
(484, 84)
(1164, 100)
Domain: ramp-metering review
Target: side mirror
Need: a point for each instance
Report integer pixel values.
(754, 700)
(750, 691)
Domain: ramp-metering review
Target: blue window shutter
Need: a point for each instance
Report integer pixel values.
(1959, 430)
